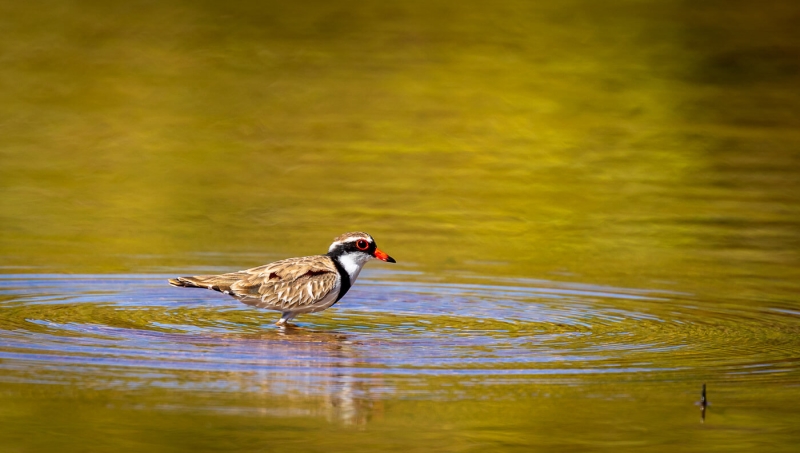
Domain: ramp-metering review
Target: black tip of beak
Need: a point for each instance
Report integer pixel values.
(389, 259)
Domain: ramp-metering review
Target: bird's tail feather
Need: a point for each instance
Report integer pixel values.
(213, 282)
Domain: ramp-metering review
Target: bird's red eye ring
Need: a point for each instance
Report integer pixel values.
(362, 244)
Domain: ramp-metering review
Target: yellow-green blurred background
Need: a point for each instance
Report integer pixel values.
(624, 141)
(643, 144)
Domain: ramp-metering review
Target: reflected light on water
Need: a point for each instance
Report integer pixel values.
(594, 207)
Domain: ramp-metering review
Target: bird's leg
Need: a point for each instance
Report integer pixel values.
(285, 318)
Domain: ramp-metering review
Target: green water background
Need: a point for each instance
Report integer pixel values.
(639, 144)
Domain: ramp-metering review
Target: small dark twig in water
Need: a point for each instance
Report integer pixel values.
(703, 404)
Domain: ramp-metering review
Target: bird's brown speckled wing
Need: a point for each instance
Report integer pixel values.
(290, 284)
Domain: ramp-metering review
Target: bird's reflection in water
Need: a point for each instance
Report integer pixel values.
(316, 372)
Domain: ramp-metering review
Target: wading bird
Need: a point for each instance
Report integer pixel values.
(296, 285)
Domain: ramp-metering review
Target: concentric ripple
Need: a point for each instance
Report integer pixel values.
(136, 330)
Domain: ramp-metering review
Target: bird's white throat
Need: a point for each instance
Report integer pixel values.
(352, 263)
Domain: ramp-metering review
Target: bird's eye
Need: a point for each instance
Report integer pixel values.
(362, 244)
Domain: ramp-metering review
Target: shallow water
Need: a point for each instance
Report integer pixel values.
(595, 208)
(479, 363)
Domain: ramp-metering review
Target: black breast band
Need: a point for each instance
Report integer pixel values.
(345, 278)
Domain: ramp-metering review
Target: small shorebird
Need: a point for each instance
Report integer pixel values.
(296, 285)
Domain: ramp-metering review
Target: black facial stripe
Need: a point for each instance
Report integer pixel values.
(350, 246)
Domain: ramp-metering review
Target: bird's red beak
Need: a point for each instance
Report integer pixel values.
(383, 257)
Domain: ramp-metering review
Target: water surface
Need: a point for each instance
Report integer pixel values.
(594, 208)
(508, 355)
